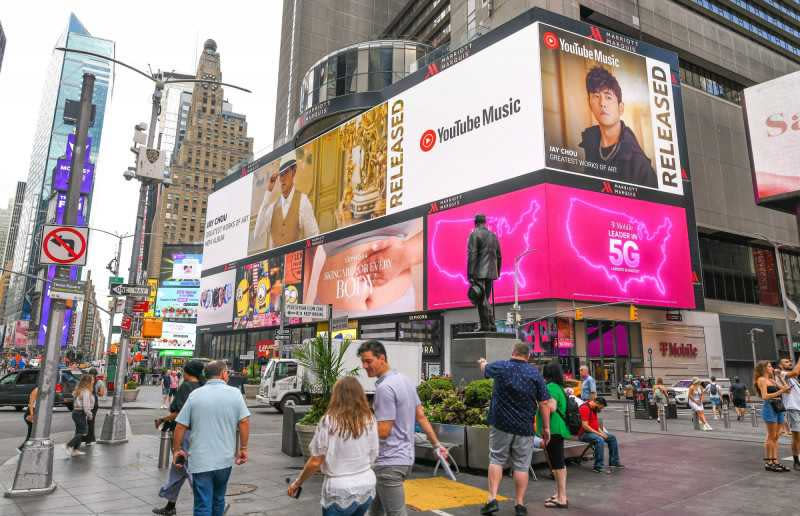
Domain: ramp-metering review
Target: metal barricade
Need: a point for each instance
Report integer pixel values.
(164, 449)
(662, 417)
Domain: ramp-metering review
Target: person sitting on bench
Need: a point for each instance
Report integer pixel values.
(591, 433)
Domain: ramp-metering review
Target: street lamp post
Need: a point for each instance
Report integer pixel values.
(784, 296)
(516, 308)
(752, 333)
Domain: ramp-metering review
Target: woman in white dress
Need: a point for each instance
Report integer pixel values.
(344, 447)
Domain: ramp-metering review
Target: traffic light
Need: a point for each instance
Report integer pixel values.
(633, 313)
(579, 314)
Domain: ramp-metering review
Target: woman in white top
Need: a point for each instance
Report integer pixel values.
(83, 402)
(695, 398)
(344, 447)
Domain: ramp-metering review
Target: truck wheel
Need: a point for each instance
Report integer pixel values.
(18, 408)
(291, 399)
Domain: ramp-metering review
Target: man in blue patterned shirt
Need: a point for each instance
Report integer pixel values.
(518, 388)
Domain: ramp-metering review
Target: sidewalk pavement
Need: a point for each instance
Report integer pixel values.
(150, 398)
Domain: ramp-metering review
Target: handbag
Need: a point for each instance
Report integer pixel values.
(777, 405)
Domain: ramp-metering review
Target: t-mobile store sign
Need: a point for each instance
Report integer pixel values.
(574, 244)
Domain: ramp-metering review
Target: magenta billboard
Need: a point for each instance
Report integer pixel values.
(581, 245)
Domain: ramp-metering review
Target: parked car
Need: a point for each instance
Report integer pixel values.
(15, 388)
(681, 390)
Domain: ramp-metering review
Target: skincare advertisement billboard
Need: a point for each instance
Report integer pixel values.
(772, 115)
(216, 298)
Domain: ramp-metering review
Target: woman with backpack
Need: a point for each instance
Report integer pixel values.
(559, 431)
(661, 397)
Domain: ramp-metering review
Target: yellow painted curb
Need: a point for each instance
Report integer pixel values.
(426, 494)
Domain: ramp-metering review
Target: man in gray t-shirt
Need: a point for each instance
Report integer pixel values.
(397, 409)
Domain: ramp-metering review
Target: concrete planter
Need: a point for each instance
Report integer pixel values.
(478, 447)
(129, 395)
(305, 433)
(250, 391)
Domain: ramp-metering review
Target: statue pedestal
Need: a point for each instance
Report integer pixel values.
(469, 347)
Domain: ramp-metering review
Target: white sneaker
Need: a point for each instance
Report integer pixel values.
(708, 428)
(68, 449)
(76, 452)
(89, 444)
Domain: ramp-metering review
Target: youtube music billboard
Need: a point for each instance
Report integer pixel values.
(528, 104)
(574, 244)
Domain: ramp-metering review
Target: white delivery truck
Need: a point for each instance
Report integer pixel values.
(283, 383)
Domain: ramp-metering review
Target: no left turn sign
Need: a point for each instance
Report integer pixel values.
(64, 245)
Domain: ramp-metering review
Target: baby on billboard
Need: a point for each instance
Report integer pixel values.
(597, 109)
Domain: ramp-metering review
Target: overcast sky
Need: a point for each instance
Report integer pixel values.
(167, 35)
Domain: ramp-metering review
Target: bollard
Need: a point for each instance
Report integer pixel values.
(696, 421)
(726, 416)
(627, 417)
(164, 449)
(753, 415)
(662, 415)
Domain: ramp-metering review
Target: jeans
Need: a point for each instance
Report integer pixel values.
(177, 476)
(353, 510)
(81, 428)
(30, 427)
(209, 491)
(390, 497)
(613, 449)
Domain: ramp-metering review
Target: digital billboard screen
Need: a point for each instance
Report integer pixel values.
(772, 115)
(177, 302)
(258, 290)
(372, 273)
(575, 244)
(181, 266)
(216, 298)
(176, 335)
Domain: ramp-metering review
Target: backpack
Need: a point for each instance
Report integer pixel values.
(573, 415)
(713, 389)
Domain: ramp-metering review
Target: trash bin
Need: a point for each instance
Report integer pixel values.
(652, 409)
(291, 415)
(672, 410)
(641, 409)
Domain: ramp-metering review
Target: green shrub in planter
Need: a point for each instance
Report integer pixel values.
(426, 389)
(131, 385)
(478, 393)
(254, 381)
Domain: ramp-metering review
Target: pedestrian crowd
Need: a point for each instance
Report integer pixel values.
(365, 455)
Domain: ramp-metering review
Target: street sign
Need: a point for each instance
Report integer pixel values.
(115, 280)
(66, 289)
(120, 307)
(283, 333)
(126, 289)
(126, 323)
(141, 307)
(312, 311)
(340, 323)
(248, 356)
(64, 245)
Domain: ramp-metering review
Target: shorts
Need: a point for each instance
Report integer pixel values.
(769, 415)
(173, 392)
(697, 407)
(716, 402)
(793, 418)
(739, 403)
(555, 452)
(503, 445)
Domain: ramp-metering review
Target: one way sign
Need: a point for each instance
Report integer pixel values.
(126, 289)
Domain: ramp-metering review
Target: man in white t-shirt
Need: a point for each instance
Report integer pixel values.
(714, 392)
(791, 400)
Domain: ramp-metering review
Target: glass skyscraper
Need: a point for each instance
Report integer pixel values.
(63, 81)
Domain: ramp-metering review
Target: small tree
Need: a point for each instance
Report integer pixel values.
(325, 365)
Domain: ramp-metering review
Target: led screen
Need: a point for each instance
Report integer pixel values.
(258, 290)
(216, 298)
(574, 244)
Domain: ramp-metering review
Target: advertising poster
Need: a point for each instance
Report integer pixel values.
(376, 272)
(585, 245)
(519, 221)
(607, 112)
(258, 290)
(332, 182)
(181, 266)
(772, 113)
(177, 302)
(227, 219)
(608, 248)
(176, 335)
(216, 298)
(446, 139)
(152, 283)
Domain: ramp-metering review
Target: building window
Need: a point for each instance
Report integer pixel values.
(710, 82)
(738, 271)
